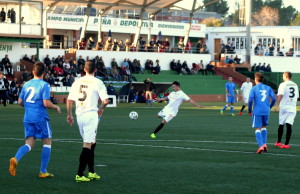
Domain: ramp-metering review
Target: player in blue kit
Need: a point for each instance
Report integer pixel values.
(35, 98)
(260, 95)
(230, 92)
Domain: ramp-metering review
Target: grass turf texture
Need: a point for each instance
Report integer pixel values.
(199, 151)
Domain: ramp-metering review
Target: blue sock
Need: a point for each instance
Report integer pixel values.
(225, 107)
(264, 135)
(22, 151)
(231, 109)
(258, 137)
(46, 152)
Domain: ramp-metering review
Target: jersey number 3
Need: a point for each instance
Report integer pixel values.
(82, 93)
(263, 94)
(292, 92)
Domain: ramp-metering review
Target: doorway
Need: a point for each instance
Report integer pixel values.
(217, 48)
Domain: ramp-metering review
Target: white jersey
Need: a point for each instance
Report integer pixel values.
(175, 100)
(86, 92)
(290, 93)
(246, 88)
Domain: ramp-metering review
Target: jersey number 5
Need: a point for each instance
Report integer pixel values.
(263, 94)
(82, 93)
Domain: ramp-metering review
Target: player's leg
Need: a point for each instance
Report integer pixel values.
(158, 128)
(45, 158)
(264, 131)
(289, 123)
(232, 107)
(92, 174)
(257, 124)
(242, 109)
(282, 119)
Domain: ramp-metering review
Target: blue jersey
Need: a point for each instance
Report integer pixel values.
(230, 86)
(260, 95)
(33, 94)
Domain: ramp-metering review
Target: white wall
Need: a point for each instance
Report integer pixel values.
(279, 64)
(164, 58)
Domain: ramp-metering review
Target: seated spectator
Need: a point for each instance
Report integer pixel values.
(33, 59)
(73, 71)
(290, 53)
(90, 43)
(178, 67)
(58, 70)
(173, 65)
(26, 58)
(262, 68)
(141, 97)
(202, 69)
(123, 73)
(51, 80)
(66, 70)
(114, 63)
(111, 90)
(268, 68)
(67, 81)
(81, 44)
(210, 68)
(229, 60)
(121, 46)
(198, 46)
(115, 73)
(115, 45)
(156, 69)
(237, 60)
(7, 64)
(258, 67)
(66, 63)
(125, 63)
(166, 45)
(14, 83)
(108, 44)
(140, 68)
(100, 45)
(135, 66)
(253, 68)
(47, 61)
(195, 69)
(185, 69)
(25, 76)
(148, 65)
(131, 95)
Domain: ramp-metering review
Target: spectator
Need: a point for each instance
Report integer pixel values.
(290, 53)
(151, 45)
(115, 45)
(140, 68)
(58, 70)
(66, 63)
(7, 64)
(173, 65)
(198, 46)
(26, 58)
(99, 45)
(80, 61)
(223, 47)
(67, 70)
(2, 15)
(114, 63)
(156, 69)
(258, 67)
(132, 48)
(121, 46)
(262, 68)
(127, 45)
(57, 60)
(134, 68)
(115, 73)
(90, 43)
(131, 95)
(185, 69)
(12, 15)
(33, 59)
(180, 45)
(189, 46)
(210, 68)
(81, 44)
(237, 60)
(256, 50)
(4, 84)
(72, 79)
(204, 48)
(229, 60)
(73, 71)
(108, 44)
(14, 83)
(202, 69)
(111, 90)
(253, 68)
(47, 61)
(66, 81)
(166, 45)
(178, 67)
(232, 48)
(271, 50)
(51, 80)
(195, 69)
(141, 45)
(123, 73)
(125, 63)
(148, 65)
(268, 68)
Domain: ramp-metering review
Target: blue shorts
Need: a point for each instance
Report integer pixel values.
(230, 99)
(259, 121)
(40, 130)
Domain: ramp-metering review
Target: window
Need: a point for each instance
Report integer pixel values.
(296, 43)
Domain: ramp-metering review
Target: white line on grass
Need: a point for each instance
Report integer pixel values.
(166, 147)
(100, 165)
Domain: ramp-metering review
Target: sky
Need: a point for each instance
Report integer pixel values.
(189, 4)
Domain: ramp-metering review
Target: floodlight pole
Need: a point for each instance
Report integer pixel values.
(86, 20)
(137, 34)
(149, 27)
(99, 25)
(248, 7)
(45, 15)
(187, 33)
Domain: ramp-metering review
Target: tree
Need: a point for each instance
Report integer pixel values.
(212, 22)
(296, 21)
(220, 7)
(287, 15)
(267, 16)
(233, 18)
(257, 5)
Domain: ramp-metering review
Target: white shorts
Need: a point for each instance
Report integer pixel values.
(246, 99)
(166, 115)
(286, 117)
(88, 124)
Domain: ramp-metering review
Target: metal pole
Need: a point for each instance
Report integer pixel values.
(186, 37)
(45, 14)
(149, 27)
(20, 17)
(86, 20)
(248, 7)
(137, 34)
(99, 25)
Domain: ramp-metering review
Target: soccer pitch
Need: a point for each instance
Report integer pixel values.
(199, 151)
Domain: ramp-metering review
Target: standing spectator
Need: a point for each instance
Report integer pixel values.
(189, 46)
(151, 45)
(12, 15)
(198, 46)
(271, 50)
(25, 76)
(131, 95)
(81, 44)
(100, 45)
(108, 44)
(4, 84)
(149, 89)
(47, 61)
(180, 45)
(127, 45)
(141, 45)
(2, 15)
(166, 45)
(26, 58)
(121, 46)
(7, 64)
(115, 45)
(90, 43)
(256, 50)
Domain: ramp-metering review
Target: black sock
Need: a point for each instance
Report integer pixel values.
(280, 132)
(288, 133)
(83, 160)
(161, 125)
(91, 160)
(242, 108)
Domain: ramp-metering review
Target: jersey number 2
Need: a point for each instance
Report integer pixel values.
(263, 94)
(31, 94)
(82, 93)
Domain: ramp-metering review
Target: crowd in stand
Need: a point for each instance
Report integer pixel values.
(182, 68)
(229, 48)
(270, 51)
(10, 16)
(154, 45)
(231, 59)
(261, 68)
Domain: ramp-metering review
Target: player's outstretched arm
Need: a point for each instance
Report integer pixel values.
(195, 103)
(49, 104)
(70, 118)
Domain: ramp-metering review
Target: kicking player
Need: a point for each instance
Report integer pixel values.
(288, 93)
(260, 95)
(245, 90)
(170, 111)
(230, 92)
(85, 92)
(35, 98)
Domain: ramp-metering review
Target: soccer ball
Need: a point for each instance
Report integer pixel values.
(133, 115)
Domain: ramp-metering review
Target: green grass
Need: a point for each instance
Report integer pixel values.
(199, 151)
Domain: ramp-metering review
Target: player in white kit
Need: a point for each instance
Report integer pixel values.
(245, 91)
(170, 111)
(85, 92)
(287, 96)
